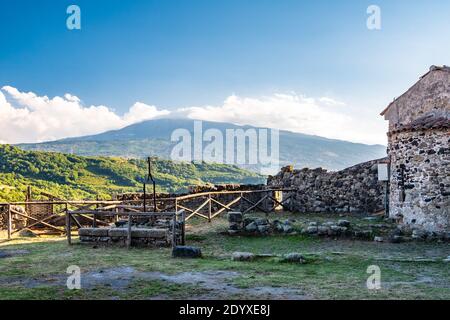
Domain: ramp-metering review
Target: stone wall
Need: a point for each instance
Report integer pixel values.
(420, 178)
(355, 189)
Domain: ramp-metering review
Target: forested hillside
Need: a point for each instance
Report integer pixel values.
(70, 176)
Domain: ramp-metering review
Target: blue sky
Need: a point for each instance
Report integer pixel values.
(184, 53)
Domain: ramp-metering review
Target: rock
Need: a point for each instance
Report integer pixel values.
(287, 229)
(447, 260)
(4, 255)
(419, 234)
(313, 224)
(322, 231)
(279, 227)
(335, 230)
(234, 226)
(252, 227)
(311, 230)
(264, 228)
(261, 221)
(242, 256)
(344, 223)
(186, 252)
(378, 239)
(27, 233)
(235, 217)
(397, 239)
(293, 258)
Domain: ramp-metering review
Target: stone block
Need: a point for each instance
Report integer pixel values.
(293, 258)
(242, 256)
(118, 232)
(100, 232)
(86, 232)
(186, 252)
(235, 217)
(149, 233)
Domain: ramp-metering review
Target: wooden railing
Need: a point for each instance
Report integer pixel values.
(205, 205)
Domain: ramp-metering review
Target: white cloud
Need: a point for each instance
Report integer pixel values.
(323, 117)
(27, 117)
(37, 118)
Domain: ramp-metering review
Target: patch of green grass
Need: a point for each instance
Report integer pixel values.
(335, 269)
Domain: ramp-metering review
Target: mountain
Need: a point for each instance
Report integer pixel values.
(78, 177)
(153, 138)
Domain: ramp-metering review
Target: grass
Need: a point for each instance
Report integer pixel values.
(336, 269)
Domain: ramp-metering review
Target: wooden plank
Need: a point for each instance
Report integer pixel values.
(196, 214)
(37, 220)
(40, 221)
(226, 207)
(254, 205)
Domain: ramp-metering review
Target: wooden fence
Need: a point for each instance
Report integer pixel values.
(206, 205)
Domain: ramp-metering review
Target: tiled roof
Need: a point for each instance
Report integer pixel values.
(427, 122)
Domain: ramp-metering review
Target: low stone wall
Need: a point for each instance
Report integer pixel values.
(146, 232)
(118, 236)
(240, 224)
(355, 189)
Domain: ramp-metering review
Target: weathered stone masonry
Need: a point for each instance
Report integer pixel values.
(419, 138)
(420, 177)
(355, 189)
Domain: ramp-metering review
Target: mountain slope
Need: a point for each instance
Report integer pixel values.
(153, 138)
(78, 177)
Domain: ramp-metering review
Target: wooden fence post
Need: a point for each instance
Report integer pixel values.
(209, 208)
(174, 230)
(9, 222)
(183, 228)
(68, 226)
(241, 203)
(129, 231)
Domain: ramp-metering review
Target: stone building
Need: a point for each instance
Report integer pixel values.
(418, 148)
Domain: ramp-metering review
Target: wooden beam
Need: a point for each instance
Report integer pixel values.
(37, 220)
(226, 207)
(68, 227)
(255, 205)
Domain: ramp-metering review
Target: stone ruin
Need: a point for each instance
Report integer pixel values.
(239, 224)
(352, 190)
(377, 229)
(145, 233)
